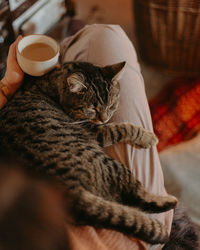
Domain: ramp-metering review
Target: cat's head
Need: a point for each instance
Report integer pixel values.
(89, 92)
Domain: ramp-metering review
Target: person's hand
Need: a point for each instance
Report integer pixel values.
(14, 75)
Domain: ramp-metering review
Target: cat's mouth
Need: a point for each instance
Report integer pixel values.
(99, 122)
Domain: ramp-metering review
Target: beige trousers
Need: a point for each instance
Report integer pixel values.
(103, 45)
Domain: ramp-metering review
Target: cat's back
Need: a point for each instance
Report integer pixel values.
(28, 102)
(32, 117)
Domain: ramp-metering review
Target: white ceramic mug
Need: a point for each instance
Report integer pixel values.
(37, 68)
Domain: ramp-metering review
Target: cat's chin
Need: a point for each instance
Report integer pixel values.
(96, 122)
(99, 122)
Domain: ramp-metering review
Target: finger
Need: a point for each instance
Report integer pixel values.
(58, 66)
(12, 49)
(12, 60)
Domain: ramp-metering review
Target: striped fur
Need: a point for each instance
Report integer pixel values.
(57, 125)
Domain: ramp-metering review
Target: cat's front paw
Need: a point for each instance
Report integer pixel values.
(147, 139)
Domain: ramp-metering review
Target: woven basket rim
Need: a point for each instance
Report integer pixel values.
(168, 8)
(172, 72)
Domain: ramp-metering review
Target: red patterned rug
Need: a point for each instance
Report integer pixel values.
(176, 112)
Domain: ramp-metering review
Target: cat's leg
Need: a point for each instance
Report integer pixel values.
(94, 210)
(104, 45)
(135, 195)
(132, 193)
(111, 133)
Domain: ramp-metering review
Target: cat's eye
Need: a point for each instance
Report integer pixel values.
(113, 106)
(91, 112)
(95, 104)
(77, 108)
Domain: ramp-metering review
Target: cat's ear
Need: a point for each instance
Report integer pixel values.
(76, 82)
(114, 71)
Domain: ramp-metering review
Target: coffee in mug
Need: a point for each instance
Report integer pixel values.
(37, 54)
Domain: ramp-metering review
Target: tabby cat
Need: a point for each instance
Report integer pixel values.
(58, 125)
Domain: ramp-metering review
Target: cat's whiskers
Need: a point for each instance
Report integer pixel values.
(78, 122)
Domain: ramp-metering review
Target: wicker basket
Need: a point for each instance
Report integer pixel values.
(168, 33)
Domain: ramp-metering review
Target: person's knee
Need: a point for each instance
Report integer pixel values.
(109, 43)
(106, 31)
(106, 28)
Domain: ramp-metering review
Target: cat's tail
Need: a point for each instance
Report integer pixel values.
(89, 209)
(184, 234)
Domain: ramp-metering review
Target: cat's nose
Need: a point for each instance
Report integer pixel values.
(103, 117)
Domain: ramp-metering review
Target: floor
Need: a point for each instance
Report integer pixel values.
(120, 12)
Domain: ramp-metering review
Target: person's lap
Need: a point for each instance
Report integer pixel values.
(104, 45)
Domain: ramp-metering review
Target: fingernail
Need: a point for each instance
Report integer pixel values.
(58, 66)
